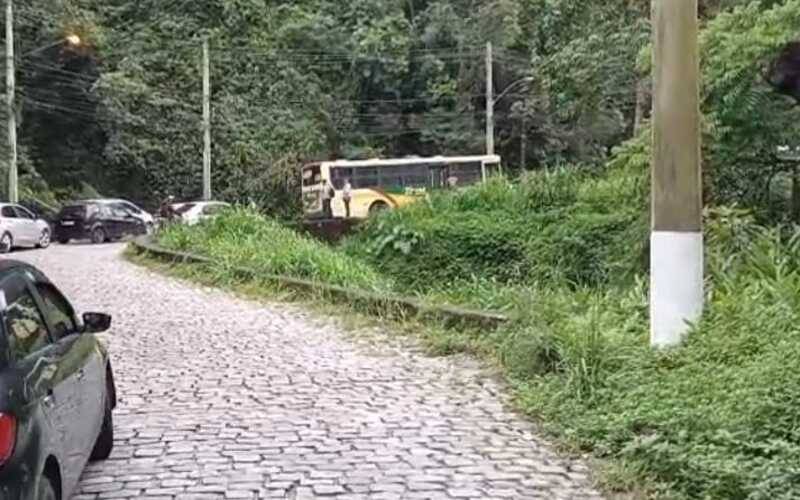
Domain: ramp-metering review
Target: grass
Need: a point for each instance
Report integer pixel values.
(241, 238)
(563, 252)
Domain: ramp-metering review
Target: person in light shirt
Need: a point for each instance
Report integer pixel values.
(347, 195)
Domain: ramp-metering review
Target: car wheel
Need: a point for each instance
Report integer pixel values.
(105, 441)
(6, 243)
(98, 235)
(44, 239)
(378, 207)
(46, 490)
(63, 241)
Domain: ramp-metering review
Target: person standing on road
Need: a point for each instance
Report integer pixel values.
(166, 211)
(347, 195)
(328, 193)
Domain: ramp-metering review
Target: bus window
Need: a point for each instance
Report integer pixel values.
(466, 173)
(312, 175)
(437, 177)
(339, 175)
(366, 177)
(417, 176)
(404, 176)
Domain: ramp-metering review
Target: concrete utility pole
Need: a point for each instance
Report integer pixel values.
(676, 259)
(13, 195)
(206, 123)
(489, 100)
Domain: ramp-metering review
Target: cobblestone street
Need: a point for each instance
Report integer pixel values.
(226, 398)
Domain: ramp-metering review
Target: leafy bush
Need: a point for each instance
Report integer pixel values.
(242, 238)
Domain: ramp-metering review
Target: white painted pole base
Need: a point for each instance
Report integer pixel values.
(676, 285)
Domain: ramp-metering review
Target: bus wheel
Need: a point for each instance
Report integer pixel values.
(378, 207)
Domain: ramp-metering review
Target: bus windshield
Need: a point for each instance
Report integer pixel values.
(312, 175)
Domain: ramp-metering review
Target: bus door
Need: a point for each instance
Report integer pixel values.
(490, 169)
(438, 176)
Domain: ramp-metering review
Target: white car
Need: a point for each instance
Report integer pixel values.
(139, 213)
(19, 227)
(194, 212)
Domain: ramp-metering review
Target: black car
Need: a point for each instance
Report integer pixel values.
(56, 388)
(99, 222)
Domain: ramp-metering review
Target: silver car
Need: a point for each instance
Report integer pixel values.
(194, 212)
(20, 228)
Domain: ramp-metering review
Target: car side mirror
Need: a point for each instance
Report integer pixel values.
(96, 322)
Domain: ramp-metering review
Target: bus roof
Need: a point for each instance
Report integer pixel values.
(409, 161)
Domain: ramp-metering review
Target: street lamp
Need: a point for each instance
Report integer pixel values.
(71, 40)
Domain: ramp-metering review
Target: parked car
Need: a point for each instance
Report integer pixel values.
(57, 389)
(193, 212)
(41, 211)
(19, 227)
(99, 222)
(146, 217)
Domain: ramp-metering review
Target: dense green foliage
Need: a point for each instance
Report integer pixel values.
(294, 81)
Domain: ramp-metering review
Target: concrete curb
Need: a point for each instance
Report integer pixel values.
(450, 315)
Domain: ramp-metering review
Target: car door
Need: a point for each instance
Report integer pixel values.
(126, 222)
(12, 222)
(83, 357)
(27, 224)
(49, 383)
(107, 219)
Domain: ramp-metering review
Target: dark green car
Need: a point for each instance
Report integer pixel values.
(56, 388)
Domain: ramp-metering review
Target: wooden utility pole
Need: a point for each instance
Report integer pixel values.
(676, 289)
(206, 123)
(489, 100)
(13, 193)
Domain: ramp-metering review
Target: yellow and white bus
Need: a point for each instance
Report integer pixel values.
(385, 184)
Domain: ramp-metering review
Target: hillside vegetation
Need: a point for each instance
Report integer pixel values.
(564, 251)
(294, 81)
